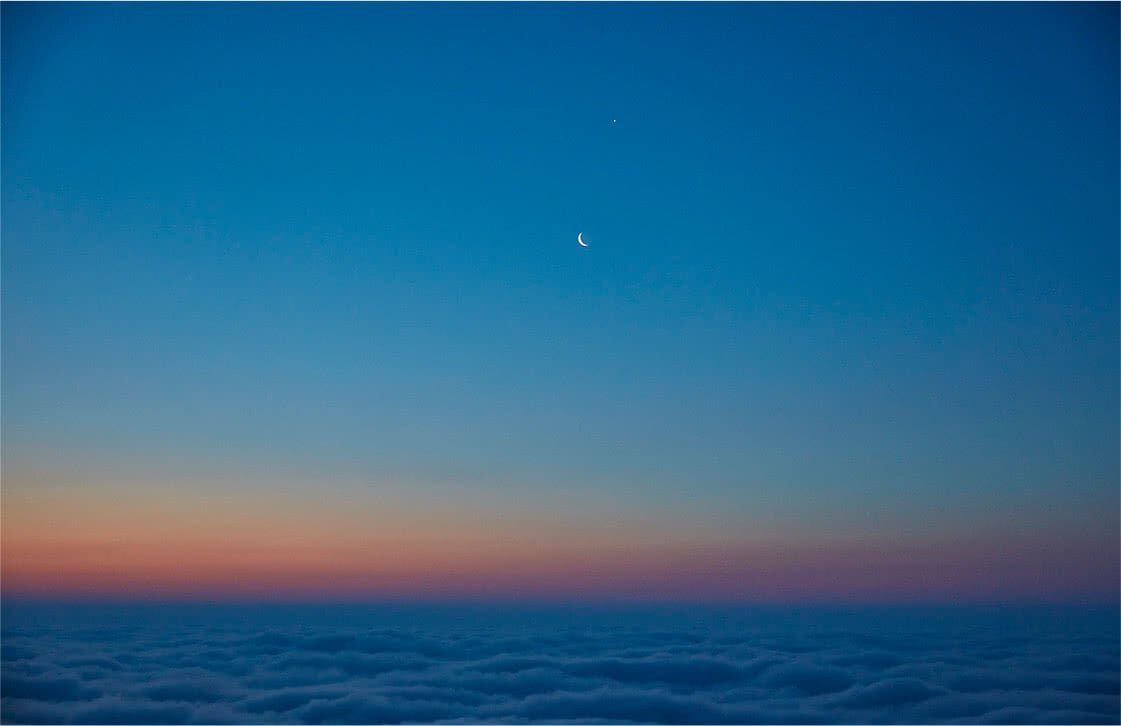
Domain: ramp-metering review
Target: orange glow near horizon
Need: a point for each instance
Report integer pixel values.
(163, 543)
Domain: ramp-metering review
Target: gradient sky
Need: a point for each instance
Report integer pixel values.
(293, 305)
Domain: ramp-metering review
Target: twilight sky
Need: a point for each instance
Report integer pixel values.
(293, 305)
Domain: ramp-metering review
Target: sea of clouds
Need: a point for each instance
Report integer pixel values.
(175, 664)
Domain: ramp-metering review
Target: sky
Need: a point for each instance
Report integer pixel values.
(293, 307)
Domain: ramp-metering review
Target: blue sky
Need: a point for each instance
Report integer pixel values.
(853, 269)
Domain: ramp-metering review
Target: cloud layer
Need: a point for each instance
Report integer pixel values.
(171, 665)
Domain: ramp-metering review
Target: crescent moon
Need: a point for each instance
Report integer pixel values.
(580, 239)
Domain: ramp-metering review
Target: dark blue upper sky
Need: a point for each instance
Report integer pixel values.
(850, 266)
